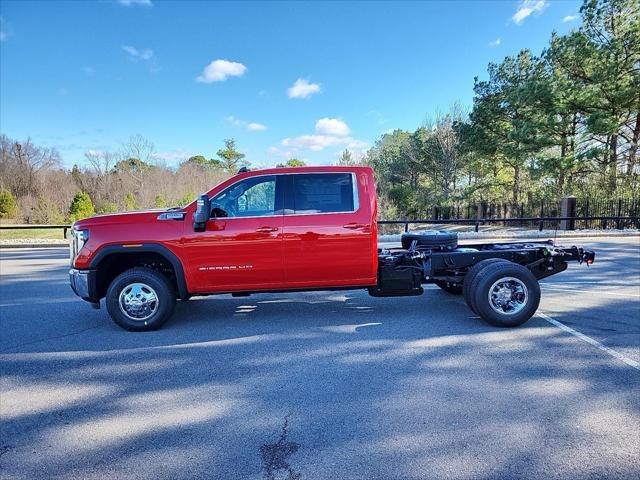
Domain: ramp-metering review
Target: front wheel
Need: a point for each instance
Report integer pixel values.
(140, 299)
(506, 294)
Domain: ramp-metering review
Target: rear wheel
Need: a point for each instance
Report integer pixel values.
(506, 294)
(450, 287)
(471, 275)
(140, 299)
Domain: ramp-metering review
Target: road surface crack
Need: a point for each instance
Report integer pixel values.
(274, 456)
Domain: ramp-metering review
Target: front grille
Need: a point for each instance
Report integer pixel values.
(73, 246)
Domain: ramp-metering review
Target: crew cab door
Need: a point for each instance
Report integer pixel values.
(242, 247)
(327, 231)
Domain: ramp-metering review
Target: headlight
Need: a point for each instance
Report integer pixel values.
(77, 241)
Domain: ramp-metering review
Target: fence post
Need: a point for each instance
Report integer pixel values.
(568, 209)
(541, 225)
(587, 224)
(618, 221)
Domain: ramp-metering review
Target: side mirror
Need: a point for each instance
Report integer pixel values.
(202, 213)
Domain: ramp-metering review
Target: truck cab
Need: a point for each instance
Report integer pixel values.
(285, 229)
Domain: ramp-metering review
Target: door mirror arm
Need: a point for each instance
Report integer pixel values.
(218, 212)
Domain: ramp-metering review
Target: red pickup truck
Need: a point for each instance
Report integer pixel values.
(292, 229)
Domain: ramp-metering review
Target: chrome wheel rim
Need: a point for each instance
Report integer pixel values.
(138, 301)
(508, 296)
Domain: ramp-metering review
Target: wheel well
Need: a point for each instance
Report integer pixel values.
(114, 264)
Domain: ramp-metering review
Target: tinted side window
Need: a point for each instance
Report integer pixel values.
(253, 197)
(323, 193)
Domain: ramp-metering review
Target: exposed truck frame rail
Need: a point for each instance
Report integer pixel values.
(543, 259)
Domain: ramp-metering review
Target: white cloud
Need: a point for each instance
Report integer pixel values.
(256, 127)
(94, 153)
(135, 3)
(286, 154)
(5, 30)
(301, 88)
(234, 121)
(173, 156)
(249, 126)
(495, 42)
(136, 54)
(380, 118)
(329, 132)
(569, 18)
(332, 126)
(219, 70)
(526, 8)
(320, 142)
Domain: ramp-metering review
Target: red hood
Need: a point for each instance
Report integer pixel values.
(137, 216)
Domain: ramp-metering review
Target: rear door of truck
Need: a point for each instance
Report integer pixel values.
(328, 229)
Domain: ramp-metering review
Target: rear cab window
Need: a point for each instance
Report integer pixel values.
(315, 193)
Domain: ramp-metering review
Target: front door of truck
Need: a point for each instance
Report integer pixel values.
(327, 231)
(242, 247)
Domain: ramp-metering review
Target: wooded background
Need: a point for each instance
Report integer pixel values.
(564, 121)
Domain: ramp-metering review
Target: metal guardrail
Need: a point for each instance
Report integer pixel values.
(37, 227)
(540, 221)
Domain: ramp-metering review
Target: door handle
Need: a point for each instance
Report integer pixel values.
(267, 229)
(355, 226)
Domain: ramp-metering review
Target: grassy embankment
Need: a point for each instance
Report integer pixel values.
(32, 233)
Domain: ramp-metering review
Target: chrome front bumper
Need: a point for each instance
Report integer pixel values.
(79, 280)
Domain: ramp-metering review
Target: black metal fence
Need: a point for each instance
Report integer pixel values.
(539, 223)
(589, 211)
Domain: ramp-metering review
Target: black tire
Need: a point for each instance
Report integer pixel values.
(471, 275)
(523, 305)
(156, 283)
(430, 240)
(449, 287)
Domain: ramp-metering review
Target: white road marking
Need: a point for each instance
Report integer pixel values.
(595, 343)
(587, 282)
(591, 291)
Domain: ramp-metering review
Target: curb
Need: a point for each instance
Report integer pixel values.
(34, 245)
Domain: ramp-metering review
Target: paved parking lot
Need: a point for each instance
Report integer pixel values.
(324, 384)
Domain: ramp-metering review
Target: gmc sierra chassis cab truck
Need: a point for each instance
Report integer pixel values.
(293, 229)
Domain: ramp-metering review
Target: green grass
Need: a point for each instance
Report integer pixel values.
(55, 233)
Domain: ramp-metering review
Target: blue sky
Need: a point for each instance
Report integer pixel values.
(284, 79)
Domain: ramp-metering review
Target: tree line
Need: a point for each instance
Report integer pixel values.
(563, 122)
(542, 125)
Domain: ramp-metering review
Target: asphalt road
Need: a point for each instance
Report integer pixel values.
(322, 385)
